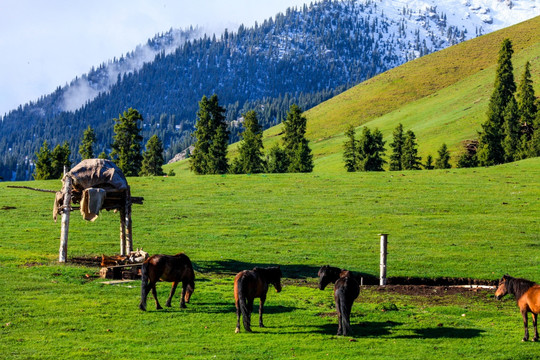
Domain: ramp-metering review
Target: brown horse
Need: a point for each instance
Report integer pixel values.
(346, 290)
(167, 268)
(251, 284)
(527, 294)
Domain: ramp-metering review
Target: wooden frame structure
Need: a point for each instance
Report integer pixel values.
(115, 194)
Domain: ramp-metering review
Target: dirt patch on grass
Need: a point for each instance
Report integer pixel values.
(91, 261)
(428, 291)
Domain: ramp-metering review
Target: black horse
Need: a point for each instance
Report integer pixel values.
(173, 268)
(251, 284)
(527, 294)
(346, 290)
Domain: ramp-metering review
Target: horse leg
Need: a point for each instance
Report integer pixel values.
(237, 330)
(525, 324)
(340, 315)
(173, 289)
(183, 298)
(535, 317)
(263, 299)
(154, 293)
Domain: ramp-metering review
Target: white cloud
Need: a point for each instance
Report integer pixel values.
(46, 44)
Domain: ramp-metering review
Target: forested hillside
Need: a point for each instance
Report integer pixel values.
(304, 56)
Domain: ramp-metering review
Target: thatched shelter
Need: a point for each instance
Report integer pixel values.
(96, 185)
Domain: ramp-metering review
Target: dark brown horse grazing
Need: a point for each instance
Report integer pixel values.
(527, 294)
(346, 290)
(251, 284)
(167, 268)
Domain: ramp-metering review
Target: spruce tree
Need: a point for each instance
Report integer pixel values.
(490, 149)
(86, 149)
(250, 159)
(397, 149)
(126, 145)
(410, 159)
(60, 159)
(296, 145)
(103, 155)
(276, 160)
(350, 150)
(210, 151)
(443, 160)
(429, 163)
(527, 111)
(43, 168)
(512, 132)
(152, 163)
(370, 150)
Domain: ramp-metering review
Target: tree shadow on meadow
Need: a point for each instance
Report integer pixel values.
(442, 333)
(360, 330)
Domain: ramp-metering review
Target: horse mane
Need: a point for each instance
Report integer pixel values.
(517, 286)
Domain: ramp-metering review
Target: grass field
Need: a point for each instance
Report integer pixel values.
(478, 223)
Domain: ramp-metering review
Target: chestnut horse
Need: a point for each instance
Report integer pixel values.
(251, 284)
(346, 290)
(172, 268)
(527, 294)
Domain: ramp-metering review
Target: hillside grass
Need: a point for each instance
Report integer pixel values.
(478, 223)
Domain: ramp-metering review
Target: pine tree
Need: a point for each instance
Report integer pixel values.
(429, 163)
(60, 159)
(250, 159)
(276, 160)
(152, 163)
(350, 150)
(410, 159)
(103, 155)
(512, 132)
(490, 149)
(43, 168)
(127, 140)
(210, 152)
(86, 149)
(443, 161)
(527, 111)
(397, 149)
(296, 145)
(370, 150)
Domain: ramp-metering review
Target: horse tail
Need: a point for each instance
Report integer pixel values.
(144, 285)
(246, 314)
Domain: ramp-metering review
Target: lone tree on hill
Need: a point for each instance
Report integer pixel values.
(60, 159)
(126, 144)
(152, 163)
(86, 149)
(410, 159)
(490, 148)
(296, 145)
(397, 149)
(429, 163)
(210, 152)
(43, 168)
(250, 159)
(443, 161)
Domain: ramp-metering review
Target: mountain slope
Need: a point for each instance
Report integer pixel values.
(442, 97)
(304, 56)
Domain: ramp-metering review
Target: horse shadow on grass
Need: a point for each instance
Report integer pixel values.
(291, 271)
(443, 333)
(360, 330)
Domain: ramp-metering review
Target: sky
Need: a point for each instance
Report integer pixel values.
(46, 44)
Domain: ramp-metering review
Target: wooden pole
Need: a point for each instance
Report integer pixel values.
(384, 246)
(66, 210)
(123, 231)
(129, 233)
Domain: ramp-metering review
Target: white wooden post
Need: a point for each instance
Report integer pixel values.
(123, 231)
(66, 210)
(128, 223)
(384, 246)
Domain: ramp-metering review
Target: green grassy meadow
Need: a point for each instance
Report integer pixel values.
(477, 223)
